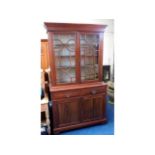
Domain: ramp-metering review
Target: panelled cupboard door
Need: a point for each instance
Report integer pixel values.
(99, 102)
(86, 109)
(67, 111)
(92, 107)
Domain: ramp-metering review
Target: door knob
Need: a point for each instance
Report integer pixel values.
(67, 95)
(93, 92)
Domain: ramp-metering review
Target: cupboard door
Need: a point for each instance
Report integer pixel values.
(89, 54)
(99, 102)
(86, 109)
(64, 47)
(67, 112)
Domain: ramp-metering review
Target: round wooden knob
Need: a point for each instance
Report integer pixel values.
(67, 95)
(93, 92)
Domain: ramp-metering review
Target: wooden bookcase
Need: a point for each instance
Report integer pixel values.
(77, 91)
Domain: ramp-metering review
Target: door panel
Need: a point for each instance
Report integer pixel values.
(99, 102)
(86, 109)
(68, 111)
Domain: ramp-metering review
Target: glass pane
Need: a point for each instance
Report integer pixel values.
(89, 48)
(64, 49)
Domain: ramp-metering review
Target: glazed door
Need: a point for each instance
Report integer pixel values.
(89, 56)
(64, 48)
(99, 102)
(86, 109)
(67, 112)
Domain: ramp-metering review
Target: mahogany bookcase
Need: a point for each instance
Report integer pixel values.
(77, 91)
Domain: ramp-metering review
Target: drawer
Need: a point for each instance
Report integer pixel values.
(93, 91)
(65, 94)
(78, 92)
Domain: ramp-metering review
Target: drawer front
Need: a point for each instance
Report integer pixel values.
(93, 91)
(76, 93)
(65, 94)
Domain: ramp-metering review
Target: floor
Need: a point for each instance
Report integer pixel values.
(103, 129)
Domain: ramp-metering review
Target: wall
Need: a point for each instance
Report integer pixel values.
(108, 57)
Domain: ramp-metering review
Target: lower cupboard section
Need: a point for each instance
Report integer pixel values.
(78, 112)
